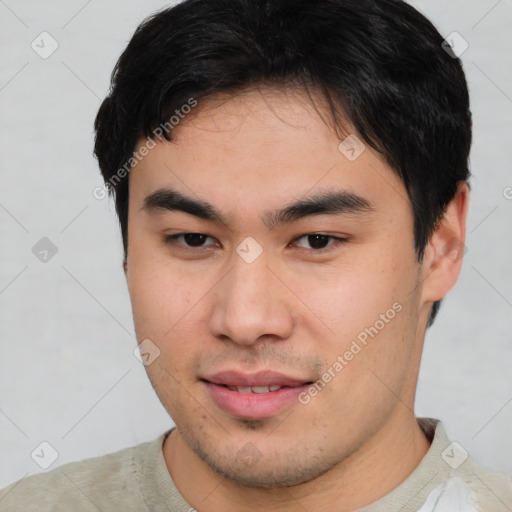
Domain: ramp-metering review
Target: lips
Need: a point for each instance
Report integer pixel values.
(264, 378)
(254, 396)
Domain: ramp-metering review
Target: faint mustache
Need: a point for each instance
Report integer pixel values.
(265, 356)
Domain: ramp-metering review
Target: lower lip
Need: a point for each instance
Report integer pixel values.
(254, 406)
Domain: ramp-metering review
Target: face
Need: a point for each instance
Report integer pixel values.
(277, 276)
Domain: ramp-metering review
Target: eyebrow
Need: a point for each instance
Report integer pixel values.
(325, 203)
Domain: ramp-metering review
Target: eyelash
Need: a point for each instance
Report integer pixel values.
(172, 240)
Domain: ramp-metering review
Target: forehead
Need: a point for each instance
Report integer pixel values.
(260, 149)
(262, 117)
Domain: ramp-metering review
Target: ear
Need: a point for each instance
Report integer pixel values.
(443, 255)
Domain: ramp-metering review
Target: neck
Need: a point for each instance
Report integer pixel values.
(370, 473)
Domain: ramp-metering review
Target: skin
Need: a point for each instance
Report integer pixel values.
(292, 310)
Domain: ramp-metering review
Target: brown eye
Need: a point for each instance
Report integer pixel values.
(318, 242)
(188, 240)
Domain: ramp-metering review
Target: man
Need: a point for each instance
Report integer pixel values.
(291, 183)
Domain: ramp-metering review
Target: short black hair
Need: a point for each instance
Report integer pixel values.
(380, 63)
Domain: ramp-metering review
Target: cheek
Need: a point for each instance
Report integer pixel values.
(349, 298)
(170, 307)
(159, 298)
(371, 316)
(163, 311)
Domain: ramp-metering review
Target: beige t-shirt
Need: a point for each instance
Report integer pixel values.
(136, 479)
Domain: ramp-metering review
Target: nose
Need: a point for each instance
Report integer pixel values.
(251, 304)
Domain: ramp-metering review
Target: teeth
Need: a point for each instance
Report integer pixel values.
(260, 389)
(254, 389)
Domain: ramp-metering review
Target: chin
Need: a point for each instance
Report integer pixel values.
(252, 467)
(264, 473)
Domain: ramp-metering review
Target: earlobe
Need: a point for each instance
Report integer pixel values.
(445, 251)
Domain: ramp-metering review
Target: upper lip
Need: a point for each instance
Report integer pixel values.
(263, 378)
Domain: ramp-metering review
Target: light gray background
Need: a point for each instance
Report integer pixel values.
(67, 372)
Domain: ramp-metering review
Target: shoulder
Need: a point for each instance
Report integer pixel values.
(107, 482)
(448, 478)
(491, 490)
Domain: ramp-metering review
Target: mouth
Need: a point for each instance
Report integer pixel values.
(255, 389)
(254, 396)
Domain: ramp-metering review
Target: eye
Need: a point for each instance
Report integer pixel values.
(319, 242)
(188, 240)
